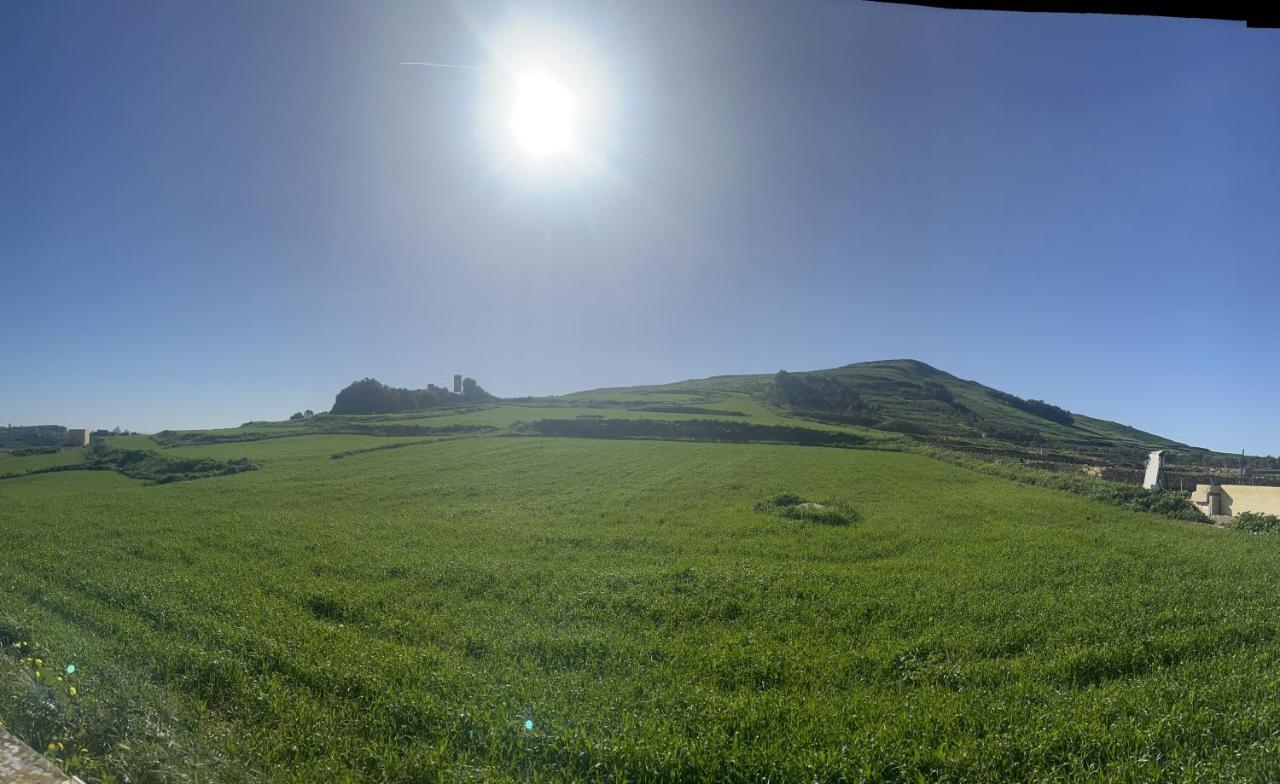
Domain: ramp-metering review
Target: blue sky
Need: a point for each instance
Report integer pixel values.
(218, 212)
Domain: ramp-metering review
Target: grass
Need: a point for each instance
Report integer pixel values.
(20, 464)
(399, 614)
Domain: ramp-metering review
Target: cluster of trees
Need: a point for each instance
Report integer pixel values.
(370, 396)
(1035, 407)
(302, 414)
(817, 392)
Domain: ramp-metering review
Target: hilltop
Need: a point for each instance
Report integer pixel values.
(911, 397)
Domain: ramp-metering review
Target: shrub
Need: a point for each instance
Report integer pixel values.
(790, 506)
(1255, 522)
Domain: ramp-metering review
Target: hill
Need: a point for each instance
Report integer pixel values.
(730, 579)
(911, 397)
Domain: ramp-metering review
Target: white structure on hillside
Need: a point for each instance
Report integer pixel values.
(78, 437)
(1154, 479)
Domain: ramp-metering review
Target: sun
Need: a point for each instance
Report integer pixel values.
(542, 117)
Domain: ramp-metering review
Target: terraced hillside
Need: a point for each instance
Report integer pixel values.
(912, 397)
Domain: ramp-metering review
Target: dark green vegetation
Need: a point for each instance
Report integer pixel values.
(390, 597)
(161, 468)
(1256, 522)
(790, 506)
(145, 464)
(693, 430)
(370, 396)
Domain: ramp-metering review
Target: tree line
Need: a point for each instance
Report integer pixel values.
(370, 396)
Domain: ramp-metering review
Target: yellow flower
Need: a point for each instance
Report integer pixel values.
(73, 691)
(37, 675)
(39, 662)
(52, 747)
(83, 750)
(60, 747)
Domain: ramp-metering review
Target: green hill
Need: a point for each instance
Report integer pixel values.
(911, 397)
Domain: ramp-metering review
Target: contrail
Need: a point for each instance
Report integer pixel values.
(446, 65)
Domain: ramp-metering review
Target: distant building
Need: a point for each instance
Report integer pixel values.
(1230, 500)
(77, 437)
(457, 383)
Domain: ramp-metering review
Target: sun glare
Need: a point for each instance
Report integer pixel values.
(542, 117)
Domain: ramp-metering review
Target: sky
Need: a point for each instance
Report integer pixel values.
(218, 212)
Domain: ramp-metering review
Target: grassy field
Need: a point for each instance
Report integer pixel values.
(11, 463)
(538, 609)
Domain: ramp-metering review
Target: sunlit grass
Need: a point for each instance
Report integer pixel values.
(400, 615)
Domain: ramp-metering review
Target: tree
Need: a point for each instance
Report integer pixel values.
(370, 396)
(308, 413)
(296, 415)
(472, 391)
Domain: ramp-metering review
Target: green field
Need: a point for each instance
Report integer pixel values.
(16, 464)
(399, 614)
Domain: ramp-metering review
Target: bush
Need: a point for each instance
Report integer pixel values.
(790, 506)
(1255, 522)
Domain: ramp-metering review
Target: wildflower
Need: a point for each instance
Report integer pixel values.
(37, 675)
(52, 746)
(72, 691)
(39, 662)
(83, 750)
